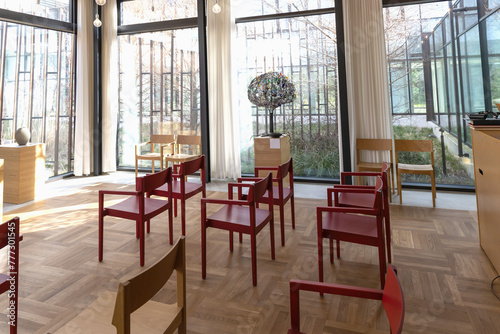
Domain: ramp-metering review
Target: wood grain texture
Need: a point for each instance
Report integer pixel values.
(443, 271)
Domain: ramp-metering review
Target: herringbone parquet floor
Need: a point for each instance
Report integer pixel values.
(443, 271)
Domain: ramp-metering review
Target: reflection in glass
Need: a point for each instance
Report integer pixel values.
(244, 8)
(54, 9)
(134, 12)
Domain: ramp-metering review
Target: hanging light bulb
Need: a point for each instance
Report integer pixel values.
(100, 2)
(216, 8)
(97, 22)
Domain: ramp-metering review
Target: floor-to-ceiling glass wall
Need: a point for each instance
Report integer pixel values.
(159, 73)
(37, 77)
(297, 39)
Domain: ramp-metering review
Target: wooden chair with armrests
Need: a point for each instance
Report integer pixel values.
(181, 188)
(281, 193)
(166, 143)
(10, 238)
(391, 296)
(367, 144)
(357, 225)
(425, 146)
(239, 216)
(365, 200)
(138, 207)
(183, 143)
(137, 291)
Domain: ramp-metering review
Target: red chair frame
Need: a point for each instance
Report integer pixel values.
(366, 200)
(392, 299)
(181, 189)
(10, 237)
(280, 194)
(138, 207)
(357, 225)
(239, 216)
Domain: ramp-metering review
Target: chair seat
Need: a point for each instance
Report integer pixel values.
(181, 157)
(372, 166)
(356, 200)
(190, 187)
(348, 224)
(415, 168)
(131, 206)
(153, 317)
(149, 156)
(230, 215)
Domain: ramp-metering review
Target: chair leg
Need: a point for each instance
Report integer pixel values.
(203, 249)
(320, 256)
(282, 223)
(433, 184)
(170, 225)
(231, 241)
(292, 204)
(183, 216)
(271, 227)
(148, 226)
(175, 207)
(400, 191)
(101, 235)
(390, 185)
(338, 249)
(382, 263)
(136, 162)
(387, 221)
(241, 237)
(141, 242)
(137, 232)
(253, 246)
(331, 249)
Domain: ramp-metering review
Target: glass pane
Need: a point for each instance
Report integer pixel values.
(53, 9)
(134, 12)
(470, 62)
(465, 14)
(304, 50)
(243, 8)
(493, 33)
(491, 5)
(159, 88)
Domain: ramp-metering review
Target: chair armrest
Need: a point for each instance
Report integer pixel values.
(137, 146)
(119, 192)
(343, 209)
(223, 201)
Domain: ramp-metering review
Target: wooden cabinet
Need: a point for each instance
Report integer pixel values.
(271, 152)
(23, 171)
(486, 151)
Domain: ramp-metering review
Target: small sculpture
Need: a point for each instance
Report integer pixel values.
(22, 136)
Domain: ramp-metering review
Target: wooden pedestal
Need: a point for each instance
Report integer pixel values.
(23, 170)
(486, 151)
(271, 152)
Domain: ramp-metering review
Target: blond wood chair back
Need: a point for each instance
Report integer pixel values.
(137, 291)
(187, 140)
(366, 144)
(408, 145)
(162, 139)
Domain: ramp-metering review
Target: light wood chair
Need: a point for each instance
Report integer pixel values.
(137, 291)
(185, 142)
(402, 145)
(166, 143)
(366, 144)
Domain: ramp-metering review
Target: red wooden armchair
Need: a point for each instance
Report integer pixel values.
(239, 216)
(363, 200)
(357, 225)
(138, 207)
(281, 194)
(9, 237)
(392, 299)
(181, 189)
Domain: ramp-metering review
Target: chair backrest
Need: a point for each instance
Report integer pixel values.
(378, 193)
(284, 169)
(260, 187)
(150, 182)
(162, 139)
(192, 166)
(393, 301)
(137, 291)
(367, 144)
(189, 140)
(410, 145)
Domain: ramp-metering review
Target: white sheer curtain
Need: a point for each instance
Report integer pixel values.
(223, 116)
(366, 67)
(84, 90)
(110, 87)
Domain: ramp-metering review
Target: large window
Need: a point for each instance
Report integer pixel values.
(159, 79)
(304, 49)
(37, 81)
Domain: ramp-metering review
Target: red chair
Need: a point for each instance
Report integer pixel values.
(281, 194)
(9, 237)
(138, 207)
(239, 216)
(366, 200)
(357, 225)
(181, 189)
(392, 299)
